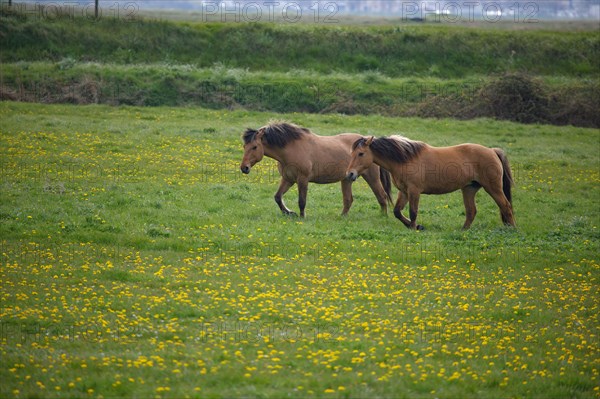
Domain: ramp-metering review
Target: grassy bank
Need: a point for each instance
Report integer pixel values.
(515, 97)
(397, 51)
(427, 70)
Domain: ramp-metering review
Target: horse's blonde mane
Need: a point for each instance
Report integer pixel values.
(397, 148)
(277, 133)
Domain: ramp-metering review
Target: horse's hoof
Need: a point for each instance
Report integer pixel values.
(420, 227)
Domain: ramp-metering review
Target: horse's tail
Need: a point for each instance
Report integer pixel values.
(386, 181)
(507, 179)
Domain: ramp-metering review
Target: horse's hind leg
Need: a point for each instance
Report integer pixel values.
(302, 193)
(371, 176)
(347, 194)
(284, 186)
(413, 202)
(505, 207)
(400, 204)
(469, 200)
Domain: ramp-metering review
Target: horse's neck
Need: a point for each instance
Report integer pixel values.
(385, 163)
(275, 153)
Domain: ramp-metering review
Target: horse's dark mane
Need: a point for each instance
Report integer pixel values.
(249, 135)
(277, 134)
(399, 149)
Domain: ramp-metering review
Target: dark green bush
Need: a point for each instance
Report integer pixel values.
(517, 97)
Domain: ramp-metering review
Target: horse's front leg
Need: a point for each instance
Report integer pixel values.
(302, 191)
(347, 194)
(373, 177)
(413, 201)
(284, 186)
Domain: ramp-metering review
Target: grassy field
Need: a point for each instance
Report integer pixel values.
(138, 261)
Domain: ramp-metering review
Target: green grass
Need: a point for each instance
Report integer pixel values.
(218, 87)
(399, 50)
(138, 261)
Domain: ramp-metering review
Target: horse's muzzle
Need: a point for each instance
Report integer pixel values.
(352, 176)
(245, 169)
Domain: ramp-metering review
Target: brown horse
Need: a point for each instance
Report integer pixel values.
(305, 157)
(418, 168)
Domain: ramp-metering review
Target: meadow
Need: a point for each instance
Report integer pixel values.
(137, 261)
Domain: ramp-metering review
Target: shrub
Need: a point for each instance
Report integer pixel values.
(516, 97)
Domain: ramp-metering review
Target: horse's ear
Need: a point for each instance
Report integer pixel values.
(260, 134)
(369, 141)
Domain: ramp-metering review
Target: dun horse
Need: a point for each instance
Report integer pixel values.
(305, 157)
(418, 168)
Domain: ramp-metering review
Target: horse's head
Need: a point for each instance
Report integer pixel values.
(360, 159)
(253, 149)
